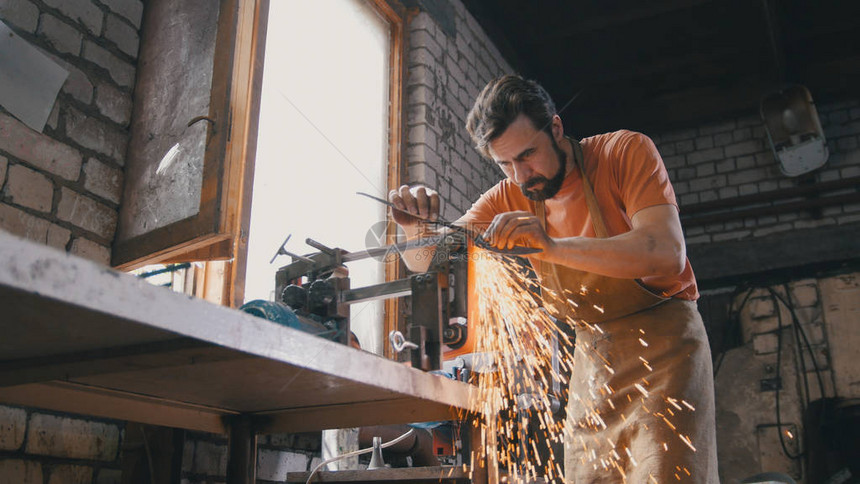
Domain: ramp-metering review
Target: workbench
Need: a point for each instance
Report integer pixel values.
(80, 337)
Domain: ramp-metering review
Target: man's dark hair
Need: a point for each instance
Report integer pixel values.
(499, 104)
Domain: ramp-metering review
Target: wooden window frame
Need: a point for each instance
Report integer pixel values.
(219, 231)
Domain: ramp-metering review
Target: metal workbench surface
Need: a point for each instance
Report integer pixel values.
(80, 337)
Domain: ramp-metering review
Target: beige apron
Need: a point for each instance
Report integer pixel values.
(641, 394)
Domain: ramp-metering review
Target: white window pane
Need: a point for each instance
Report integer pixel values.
(323, 136)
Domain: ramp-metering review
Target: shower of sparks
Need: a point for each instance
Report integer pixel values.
(529, 351)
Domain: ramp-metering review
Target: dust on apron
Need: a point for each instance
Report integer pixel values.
(640, 404)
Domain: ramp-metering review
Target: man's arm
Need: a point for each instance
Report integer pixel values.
(653, 247)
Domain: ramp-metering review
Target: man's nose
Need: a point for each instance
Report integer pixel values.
(522, 173)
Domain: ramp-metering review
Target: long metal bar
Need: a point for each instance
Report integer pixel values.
(386, 290)
(393, 248)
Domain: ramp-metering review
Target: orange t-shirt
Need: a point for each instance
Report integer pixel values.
(627, 175)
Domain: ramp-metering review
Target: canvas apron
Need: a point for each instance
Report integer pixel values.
(641, 394)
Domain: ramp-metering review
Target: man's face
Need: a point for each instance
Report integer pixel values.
(531, 158)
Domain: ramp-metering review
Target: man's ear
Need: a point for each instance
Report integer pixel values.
(557, 128)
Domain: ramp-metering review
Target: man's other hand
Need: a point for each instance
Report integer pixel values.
(415, 204)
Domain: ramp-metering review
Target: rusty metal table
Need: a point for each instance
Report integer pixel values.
(80, 337)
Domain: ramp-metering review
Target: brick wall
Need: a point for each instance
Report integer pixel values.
(731, 158)
(39, 447)
(62, 187)
(448, 60)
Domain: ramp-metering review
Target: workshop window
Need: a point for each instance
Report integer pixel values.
(324, 130)
(304, 104)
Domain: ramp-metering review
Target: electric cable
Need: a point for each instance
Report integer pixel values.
(356, 452)
(779, 378)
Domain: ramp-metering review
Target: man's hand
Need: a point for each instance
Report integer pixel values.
(415, 204)
(517, 228)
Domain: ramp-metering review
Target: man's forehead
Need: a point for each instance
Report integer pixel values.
(520, 135)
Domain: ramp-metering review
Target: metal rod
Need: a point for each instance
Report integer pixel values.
(386, 290)
(394, 248)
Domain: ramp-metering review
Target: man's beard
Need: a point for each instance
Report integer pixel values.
(552, 185)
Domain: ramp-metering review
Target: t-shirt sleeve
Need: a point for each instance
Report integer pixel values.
(484, 209)
(642, 177)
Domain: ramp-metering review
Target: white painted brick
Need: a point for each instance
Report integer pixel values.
(708, 183)
(765, 343)
(63, 37)
(744, 162)
(20, 13)
(744, 148)
(422, 75)
(704, 142)
(4, 163)
(724, 166)
(748, 176)
(86, 213)
(29, 188)
(688, 199)
(73, 438)
(13, 425)
(679, 135)
(685, 146)
(109, 476)
(846, 144)
(122, 34)
(699, 239)
(804, 293)
(103, 180)
(132, 10)
(58, 236)
(77, 84)
(419, 95)
(708, 196)
(761, 232)
(90, 250)
(761, 307)
(16, 471)
(820, 355)
(69, 474)
(23, 224)
(38, 149)
(120, 71)
(84, 12)
(718, 127)
(423, 38)
(722, 139)
(54, 117)
(273, 465)
(742, 134)
(210, 458)
(850, 171)
(705, 170)
(96, 135)
(114, 104)
(708, 155)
